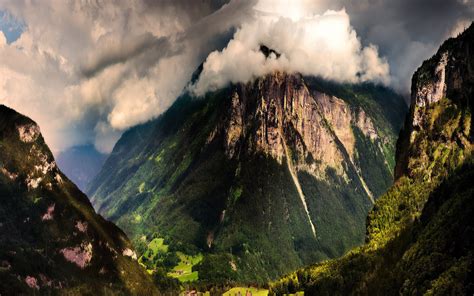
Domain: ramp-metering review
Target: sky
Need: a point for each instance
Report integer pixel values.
(87, 70)
(10, 27)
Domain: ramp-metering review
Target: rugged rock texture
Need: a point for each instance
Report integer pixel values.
(419, 234)
(316, 124)
(437, 136)
(282, 166)
(51, 240)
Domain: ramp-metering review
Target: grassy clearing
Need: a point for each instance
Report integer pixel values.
(157, 245)
(157, 254)
(184, 270)
(141, 188)
(243, 291)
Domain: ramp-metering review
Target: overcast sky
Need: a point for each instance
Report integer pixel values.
(88, 70)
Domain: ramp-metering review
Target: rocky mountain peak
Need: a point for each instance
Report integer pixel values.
(268, 51)
(314, 125)
(29, 159)
(292, 158)
(440, 112)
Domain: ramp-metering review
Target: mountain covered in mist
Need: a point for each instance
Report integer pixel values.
(51, 240)
(81, 164)
(420, 233)
(285, 166)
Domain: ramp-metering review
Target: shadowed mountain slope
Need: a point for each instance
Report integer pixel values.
(51, 240)
(282, 166)
(420, 233)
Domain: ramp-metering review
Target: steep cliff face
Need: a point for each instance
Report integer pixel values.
(419, 233)
(275, 167)
(437, 136)
(51, 240)
(316, 125)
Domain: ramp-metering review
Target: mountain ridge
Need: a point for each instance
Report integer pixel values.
(219, 168)
(418, 239)
(81, 164)
(51, 239)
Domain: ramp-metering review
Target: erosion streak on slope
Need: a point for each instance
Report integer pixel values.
(351, 162)
(364, 185)
(297, 184)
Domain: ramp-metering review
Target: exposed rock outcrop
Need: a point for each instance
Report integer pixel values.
(316, 125)
(51, 239)
(418, 233)
(438, 132)
(294, 163)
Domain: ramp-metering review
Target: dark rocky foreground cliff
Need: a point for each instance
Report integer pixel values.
(420, 233)
(51, 240)
(282, 167)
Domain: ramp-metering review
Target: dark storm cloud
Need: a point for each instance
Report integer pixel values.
(133, 48)
(406, 31)
(87, 70)
(426, 19)
(148, 49)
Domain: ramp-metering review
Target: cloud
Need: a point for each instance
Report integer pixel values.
(105, 136)
(88, 70)
(407, 32)
(460, 26)
(320, 45)
(3, 40)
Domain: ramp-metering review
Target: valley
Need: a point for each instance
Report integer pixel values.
(277, 159)
(236, 148)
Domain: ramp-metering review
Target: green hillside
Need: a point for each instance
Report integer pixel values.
(419, 234)
(205, 177)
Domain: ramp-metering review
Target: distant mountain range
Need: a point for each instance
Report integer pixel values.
(81, 164)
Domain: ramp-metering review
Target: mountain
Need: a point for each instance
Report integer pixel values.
(81, 164)
(285, 166)
(51, 240)
(420, 233)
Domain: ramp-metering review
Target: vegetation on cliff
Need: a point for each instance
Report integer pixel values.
(51, 240)
(220, 175)
(419, 234)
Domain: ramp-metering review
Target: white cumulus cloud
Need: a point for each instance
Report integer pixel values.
(88, 70)
(311, 44)
(3, 40)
